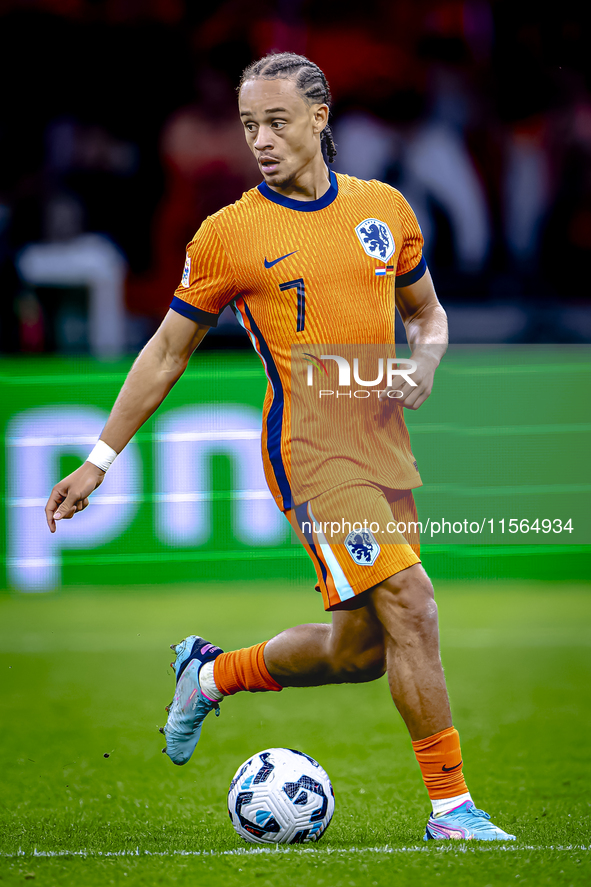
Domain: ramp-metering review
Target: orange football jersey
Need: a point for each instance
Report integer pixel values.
(304, 277)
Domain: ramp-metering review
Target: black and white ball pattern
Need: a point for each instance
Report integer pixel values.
(281, 796)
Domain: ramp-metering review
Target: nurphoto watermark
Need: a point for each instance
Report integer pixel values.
(388, 370)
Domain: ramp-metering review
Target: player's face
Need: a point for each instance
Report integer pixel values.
(282, 130)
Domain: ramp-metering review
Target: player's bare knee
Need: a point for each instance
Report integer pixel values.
(360, 666)
(409, 596)
(372, 665)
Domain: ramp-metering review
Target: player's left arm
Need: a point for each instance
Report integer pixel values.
(426, 330)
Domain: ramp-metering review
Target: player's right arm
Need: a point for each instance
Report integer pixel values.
(155, 371)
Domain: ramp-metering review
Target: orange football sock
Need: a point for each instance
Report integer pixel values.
(440, 760)
(243, 670)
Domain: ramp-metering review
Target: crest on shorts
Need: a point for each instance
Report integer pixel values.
(185, 279)
(362, 547)
(376, 239)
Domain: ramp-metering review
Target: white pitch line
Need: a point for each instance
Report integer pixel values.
(438, 847)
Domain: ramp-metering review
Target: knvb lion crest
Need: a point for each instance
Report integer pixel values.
(376, 239)
(362, 547)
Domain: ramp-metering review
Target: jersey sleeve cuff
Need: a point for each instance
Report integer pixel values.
(193, 313)
(412, 276)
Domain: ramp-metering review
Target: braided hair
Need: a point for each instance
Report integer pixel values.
(308, 78)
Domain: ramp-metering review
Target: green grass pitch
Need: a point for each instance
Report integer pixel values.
(85, 679)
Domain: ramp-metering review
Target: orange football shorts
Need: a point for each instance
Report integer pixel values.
(357, 534)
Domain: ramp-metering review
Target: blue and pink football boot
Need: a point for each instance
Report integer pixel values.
(466, 823)
(190, 706)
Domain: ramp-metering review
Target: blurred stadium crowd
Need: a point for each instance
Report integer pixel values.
(119, 134)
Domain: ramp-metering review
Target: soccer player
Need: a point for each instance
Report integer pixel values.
(312, 261)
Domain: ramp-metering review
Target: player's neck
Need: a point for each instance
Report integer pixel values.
(310, 184)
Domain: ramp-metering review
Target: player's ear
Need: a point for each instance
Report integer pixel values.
(320, 118)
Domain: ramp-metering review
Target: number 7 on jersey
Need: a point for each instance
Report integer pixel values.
(300, 288)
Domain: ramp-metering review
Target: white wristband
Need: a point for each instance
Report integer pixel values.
(102, 456)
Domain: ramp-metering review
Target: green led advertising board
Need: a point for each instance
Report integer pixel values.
(504, 438)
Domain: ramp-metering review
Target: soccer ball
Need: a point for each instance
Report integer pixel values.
(281, 796)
